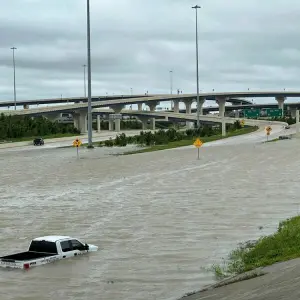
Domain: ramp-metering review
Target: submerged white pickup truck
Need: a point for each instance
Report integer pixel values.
(46, 249)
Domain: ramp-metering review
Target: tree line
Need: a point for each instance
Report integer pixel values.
(12, 127)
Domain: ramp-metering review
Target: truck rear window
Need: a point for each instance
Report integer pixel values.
(43, 246)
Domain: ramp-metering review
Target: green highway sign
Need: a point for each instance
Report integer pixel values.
(274, 112)
(251, 113)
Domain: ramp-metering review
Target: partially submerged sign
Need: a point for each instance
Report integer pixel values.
(198, 143)
(77, 143)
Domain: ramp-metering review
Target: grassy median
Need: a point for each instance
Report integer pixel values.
(188, 142)
(280, 246)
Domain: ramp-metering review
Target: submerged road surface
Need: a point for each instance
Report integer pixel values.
(158, 217)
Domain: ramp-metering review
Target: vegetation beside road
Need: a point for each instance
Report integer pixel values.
(280, 246)
(132, 124)
(22, 128)
(171, 138)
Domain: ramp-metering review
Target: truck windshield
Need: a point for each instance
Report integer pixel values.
(43, 246)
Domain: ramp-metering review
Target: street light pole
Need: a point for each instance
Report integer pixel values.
(84, 81)
(90, 142)
(197, 62)
(15, 97)
(171, 85)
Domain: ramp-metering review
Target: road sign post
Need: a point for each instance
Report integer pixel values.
(77, 143)
(198, 143)
(268, 131)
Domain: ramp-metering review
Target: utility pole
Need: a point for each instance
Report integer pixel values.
(84, 81)
(171, 86)
(14, 64)
(197, 62)
(90, 138)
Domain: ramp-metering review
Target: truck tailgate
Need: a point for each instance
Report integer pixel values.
(7, 263)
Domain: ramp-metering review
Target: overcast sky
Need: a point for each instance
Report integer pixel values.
(135, 43)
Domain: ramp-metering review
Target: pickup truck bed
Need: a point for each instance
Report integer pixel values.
(28, 255)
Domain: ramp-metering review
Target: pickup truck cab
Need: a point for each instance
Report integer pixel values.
(46, 249)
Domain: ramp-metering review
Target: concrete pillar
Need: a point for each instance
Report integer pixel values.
(201, 102)
(293, 112)
(140, 106)
(221, 102)
(188, 105)
(80, 121)
(117, 110)
(176, 106)
(280, 100)
(118, 125)
(144, 121)
(152, 105)
(152, 123)
(223, 127)
(110, 125)
(188, 108)
(236, 114)
(98, 123)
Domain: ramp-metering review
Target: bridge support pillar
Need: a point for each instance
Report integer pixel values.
(221, 102)
(80, 121)
(188, 110)
(176, 106)
(140, 106)
(236, 114)
(110, 124)
(98, 123)
(144, 121)
(117, 110)
(152, 105)
(293, 112)
(280, 100)
(201, 102)
(223, 127)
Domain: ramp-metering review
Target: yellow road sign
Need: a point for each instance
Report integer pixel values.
(77, 143)
(268, 129)
(198, 143)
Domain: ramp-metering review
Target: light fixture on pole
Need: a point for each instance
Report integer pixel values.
(90, 141)
(84, 81)
(14, 64)
(198, 102)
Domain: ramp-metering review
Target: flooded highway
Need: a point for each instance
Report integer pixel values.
(159, 218)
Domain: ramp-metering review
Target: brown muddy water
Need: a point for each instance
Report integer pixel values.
(158, 218)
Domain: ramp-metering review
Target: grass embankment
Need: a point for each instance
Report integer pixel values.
(280, 246)
(189, 142)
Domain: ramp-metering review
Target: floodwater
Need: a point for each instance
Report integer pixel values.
(158, 218)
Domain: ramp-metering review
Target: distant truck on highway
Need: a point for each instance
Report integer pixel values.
(47, 249)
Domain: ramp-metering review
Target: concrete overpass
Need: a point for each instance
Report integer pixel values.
(26, 103)
(79, 111)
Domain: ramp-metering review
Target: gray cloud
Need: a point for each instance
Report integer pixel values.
(242, 44)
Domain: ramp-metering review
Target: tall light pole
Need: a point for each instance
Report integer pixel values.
(198, 104)
(171, 85)
(84, 81)
(14, 63)
(90, 141)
